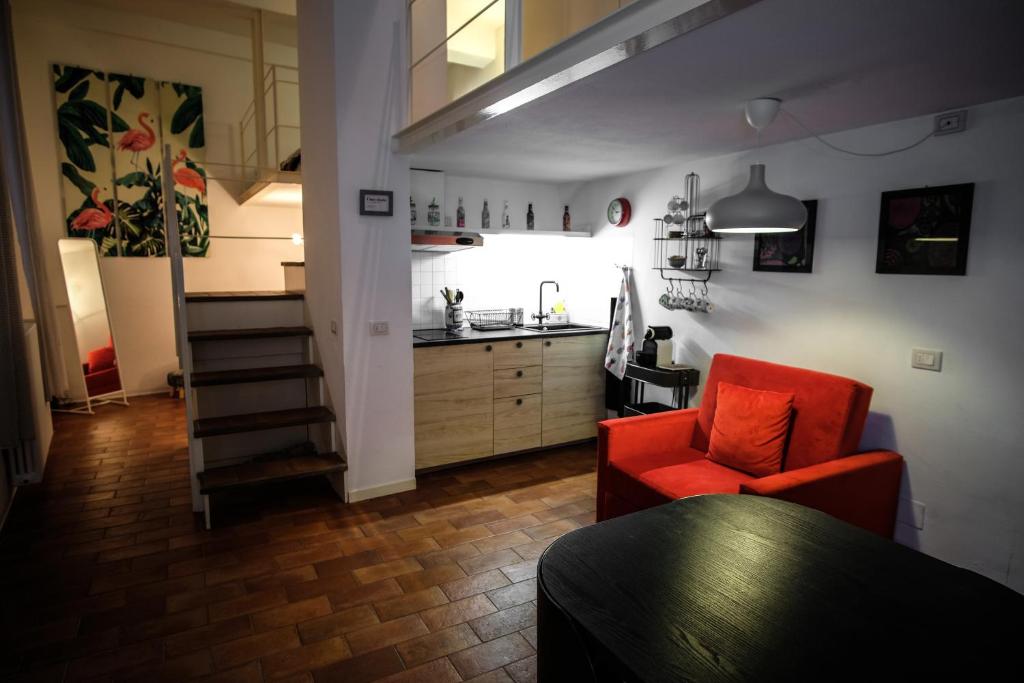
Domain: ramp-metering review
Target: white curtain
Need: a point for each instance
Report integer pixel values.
(20, 211)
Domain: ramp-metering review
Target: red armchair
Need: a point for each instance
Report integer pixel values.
(652, 459)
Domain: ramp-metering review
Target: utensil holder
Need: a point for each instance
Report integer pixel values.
(453, 316)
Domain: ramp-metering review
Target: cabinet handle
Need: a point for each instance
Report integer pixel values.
(519, 373)
(519, 345)
(547, 343)
(519, 401)
(487, 348)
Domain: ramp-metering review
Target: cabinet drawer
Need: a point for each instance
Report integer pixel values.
(517, 381)
(517, 424)
(518, 353)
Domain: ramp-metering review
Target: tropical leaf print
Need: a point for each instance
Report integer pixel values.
(183, 129)
(132, 84)
(86, 172)
(144, 115)
(81, 122)
(189, 113)
(84, 185)
(68, 77)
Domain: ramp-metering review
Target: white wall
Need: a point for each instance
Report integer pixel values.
(139, 292)
(959, 430)
(346, 49)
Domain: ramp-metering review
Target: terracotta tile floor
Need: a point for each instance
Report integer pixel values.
(106, 574)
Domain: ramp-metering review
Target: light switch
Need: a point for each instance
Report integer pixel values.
(926, 359)
(378, 327)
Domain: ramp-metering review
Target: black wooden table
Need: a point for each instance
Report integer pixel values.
(744, 588)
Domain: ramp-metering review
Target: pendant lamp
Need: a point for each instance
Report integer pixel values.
(757, 209)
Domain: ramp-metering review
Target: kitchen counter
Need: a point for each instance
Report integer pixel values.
(471, 336)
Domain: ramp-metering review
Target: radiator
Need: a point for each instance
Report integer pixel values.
(26, 461)
(23, 463)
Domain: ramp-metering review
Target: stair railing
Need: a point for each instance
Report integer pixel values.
(195, 446)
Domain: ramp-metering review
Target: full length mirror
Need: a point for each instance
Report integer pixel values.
(94, 335)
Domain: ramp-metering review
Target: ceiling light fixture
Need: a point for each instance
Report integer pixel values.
(757, 209)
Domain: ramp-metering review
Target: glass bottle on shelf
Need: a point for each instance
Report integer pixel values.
(485, 218)
(529, 216)
(460, 216)
(566, 219)
(433, 213)
(504, 216)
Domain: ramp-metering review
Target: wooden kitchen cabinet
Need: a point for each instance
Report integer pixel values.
(480, 399)
(573, 388)
(453, 389)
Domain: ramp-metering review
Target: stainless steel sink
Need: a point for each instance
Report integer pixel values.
(560, 327)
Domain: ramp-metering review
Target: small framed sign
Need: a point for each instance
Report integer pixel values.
(376, 203)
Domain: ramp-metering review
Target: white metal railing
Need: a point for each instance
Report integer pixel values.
(195, 448)
(282, 125)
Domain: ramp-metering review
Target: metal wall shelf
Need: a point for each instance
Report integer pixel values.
(698, 248)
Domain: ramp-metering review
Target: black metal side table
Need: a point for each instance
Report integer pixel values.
(679, 380)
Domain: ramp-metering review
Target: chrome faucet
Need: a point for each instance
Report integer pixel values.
(540, 316)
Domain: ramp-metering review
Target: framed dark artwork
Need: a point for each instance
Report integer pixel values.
(376, 203)
(787, 252)
(924, 231)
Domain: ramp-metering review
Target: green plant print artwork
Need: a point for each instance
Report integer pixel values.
(136, 167)
(110, 160)
(83, 130)
(182, 118)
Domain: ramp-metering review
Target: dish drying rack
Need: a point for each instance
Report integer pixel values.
(495, 318)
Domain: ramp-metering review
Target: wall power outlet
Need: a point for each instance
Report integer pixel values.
(951, 122)
(911, 513)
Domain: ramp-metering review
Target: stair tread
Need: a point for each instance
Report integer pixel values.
(249, 333)
(277, 469)
(243, 375)
(251, 422)
(207, 297)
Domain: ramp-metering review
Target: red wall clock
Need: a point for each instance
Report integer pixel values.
(619, 212)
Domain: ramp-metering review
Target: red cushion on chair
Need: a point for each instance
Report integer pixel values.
(749, 430)
(101, 359)
(694, 478)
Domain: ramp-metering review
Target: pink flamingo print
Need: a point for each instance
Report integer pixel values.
(136, 140)
(187, 176)
(93, 218)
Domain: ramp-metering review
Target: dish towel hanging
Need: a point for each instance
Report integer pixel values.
(620, 340)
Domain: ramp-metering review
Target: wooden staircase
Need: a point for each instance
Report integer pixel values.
(256, 413)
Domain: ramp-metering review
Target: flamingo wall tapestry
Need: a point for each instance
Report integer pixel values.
(112, 128)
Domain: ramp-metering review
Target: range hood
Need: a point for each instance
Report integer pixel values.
(445, 240)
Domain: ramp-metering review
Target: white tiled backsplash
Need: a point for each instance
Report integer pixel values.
(430, 274)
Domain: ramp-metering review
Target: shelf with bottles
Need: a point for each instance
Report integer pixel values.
(549, 232)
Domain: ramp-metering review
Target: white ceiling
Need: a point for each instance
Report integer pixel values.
(837, 64)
